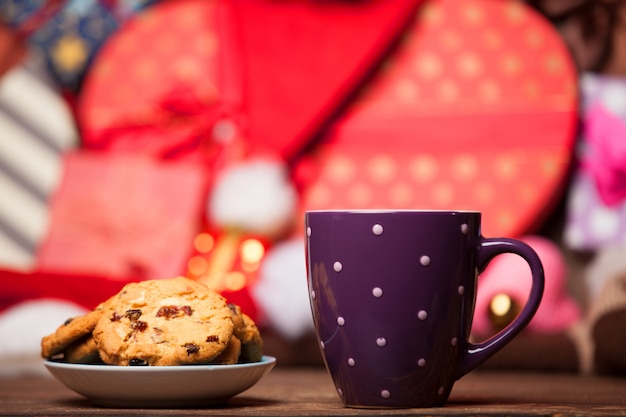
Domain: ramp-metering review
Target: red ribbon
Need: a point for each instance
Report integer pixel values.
(181, 124)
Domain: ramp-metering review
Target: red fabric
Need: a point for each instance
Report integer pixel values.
(278, 70)
(152, 90)
(121, 215)
(85, 290)
(12, 49)
(304, 61)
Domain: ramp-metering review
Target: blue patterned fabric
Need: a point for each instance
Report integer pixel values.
(71, 38)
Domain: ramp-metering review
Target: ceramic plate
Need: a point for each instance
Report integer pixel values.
(160, 386)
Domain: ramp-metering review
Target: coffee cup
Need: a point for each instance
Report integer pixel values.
(392, 294)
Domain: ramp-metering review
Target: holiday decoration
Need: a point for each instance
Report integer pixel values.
(70, 32)
(505, 285)
(206, 127)
(475, 110)
(36, 129)
(281, 290)
(227, 93)
(123, 216)
(207, 91)
(596, 207)
(253, 199)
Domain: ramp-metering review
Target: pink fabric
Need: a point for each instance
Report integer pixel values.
(509, 274)
(122, 215)
(606, 159)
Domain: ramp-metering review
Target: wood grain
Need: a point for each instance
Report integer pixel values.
(309, 391)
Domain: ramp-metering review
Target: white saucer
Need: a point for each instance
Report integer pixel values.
(160, 386)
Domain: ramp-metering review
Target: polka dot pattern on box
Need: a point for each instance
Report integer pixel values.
(146, 80)
(425, 132)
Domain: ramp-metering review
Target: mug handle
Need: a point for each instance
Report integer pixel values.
(474, 355)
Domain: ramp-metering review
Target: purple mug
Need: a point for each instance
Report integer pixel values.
(392, 294)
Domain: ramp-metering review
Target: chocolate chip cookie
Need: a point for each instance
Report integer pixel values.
(164, 322)
(248, 333)
(72, 330)
(83, 350)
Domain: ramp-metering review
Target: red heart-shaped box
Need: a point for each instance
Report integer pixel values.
(476, 110)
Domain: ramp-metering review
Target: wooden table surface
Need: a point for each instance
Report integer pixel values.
(309, 391)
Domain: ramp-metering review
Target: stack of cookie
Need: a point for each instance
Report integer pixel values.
(174, 321)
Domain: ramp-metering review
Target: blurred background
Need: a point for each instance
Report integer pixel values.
(150, 139)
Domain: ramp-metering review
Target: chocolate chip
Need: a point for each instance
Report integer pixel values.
(133, 314)
(137, 362)
(212, 339)
(139, 325)
(191, 348)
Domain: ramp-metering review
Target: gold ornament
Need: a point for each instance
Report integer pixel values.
(502, 310)
(69, 53)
